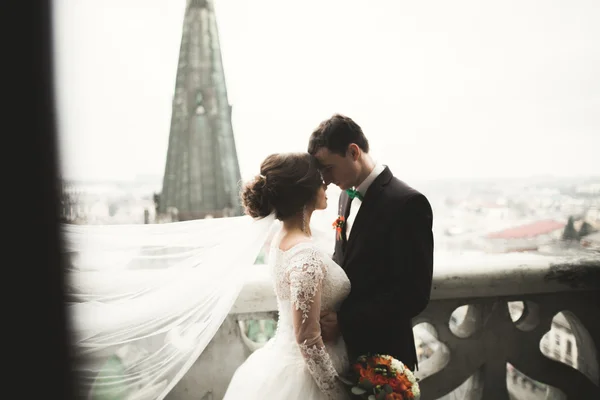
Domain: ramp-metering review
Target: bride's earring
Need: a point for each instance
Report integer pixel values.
(304, 220)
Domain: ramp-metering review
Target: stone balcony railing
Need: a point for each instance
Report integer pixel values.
(498, 327)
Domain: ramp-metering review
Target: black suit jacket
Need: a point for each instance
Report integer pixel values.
(389, 261)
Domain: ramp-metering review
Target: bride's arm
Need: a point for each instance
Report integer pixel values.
(306, 276)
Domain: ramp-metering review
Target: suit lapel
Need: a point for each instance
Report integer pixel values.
(368, 206)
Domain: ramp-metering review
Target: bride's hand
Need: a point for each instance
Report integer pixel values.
(330, 330)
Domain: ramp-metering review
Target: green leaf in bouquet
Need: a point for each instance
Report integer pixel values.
(365, 384)
(387, 389)
(358, 391)
(371, 397)
(381, 395)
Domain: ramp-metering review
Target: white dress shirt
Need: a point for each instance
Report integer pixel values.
(362, 188)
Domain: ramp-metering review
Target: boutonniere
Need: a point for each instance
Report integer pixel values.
(338, 224)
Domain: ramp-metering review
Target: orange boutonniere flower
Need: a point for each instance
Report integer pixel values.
(338, 225)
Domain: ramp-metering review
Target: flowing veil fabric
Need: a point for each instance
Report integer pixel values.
(145, 300)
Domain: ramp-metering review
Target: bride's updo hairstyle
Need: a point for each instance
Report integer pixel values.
(286, 183)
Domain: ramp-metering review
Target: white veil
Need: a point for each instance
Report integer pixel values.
(145, 300)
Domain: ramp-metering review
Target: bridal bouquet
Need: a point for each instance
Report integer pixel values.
(381, 377)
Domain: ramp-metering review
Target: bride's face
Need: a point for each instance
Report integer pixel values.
(321, 199)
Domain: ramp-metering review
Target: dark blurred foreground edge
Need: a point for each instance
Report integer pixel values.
(36, 343)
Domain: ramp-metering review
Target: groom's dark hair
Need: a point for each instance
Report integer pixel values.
(336, 134)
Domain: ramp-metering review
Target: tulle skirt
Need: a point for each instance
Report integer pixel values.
(278, 371)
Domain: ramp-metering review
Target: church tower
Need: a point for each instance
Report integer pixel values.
(202, 172)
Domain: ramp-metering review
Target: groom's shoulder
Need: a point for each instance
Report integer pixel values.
(401, 194)
(401, 189)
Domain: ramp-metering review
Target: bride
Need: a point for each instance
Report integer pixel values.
(296, 363)
(146, 300)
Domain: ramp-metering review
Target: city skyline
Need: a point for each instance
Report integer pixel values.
(466, 97)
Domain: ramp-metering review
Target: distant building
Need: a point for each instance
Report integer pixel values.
(496, 210)
(560, 342)
(591, 242)
(592, 188)
(68, 203)
(527, 237)
(202, 174)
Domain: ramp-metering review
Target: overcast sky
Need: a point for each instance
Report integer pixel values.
(441, 88)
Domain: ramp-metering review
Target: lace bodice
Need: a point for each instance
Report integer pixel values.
(318, 268)
(307, 282)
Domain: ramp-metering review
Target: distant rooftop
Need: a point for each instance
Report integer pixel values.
(528, 231)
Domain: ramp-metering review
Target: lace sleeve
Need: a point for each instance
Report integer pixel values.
(306, 274)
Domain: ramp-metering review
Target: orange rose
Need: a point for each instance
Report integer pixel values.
(359, 369)
(382, 361)
(395, 384)
(365, 373)
(379, 379)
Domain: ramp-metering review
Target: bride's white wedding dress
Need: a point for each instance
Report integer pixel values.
(295, 364)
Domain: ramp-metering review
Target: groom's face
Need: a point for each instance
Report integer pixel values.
(342, 171)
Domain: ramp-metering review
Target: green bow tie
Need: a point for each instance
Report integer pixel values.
(354, 193)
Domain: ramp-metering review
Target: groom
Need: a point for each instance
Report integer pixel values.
(385, 246)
